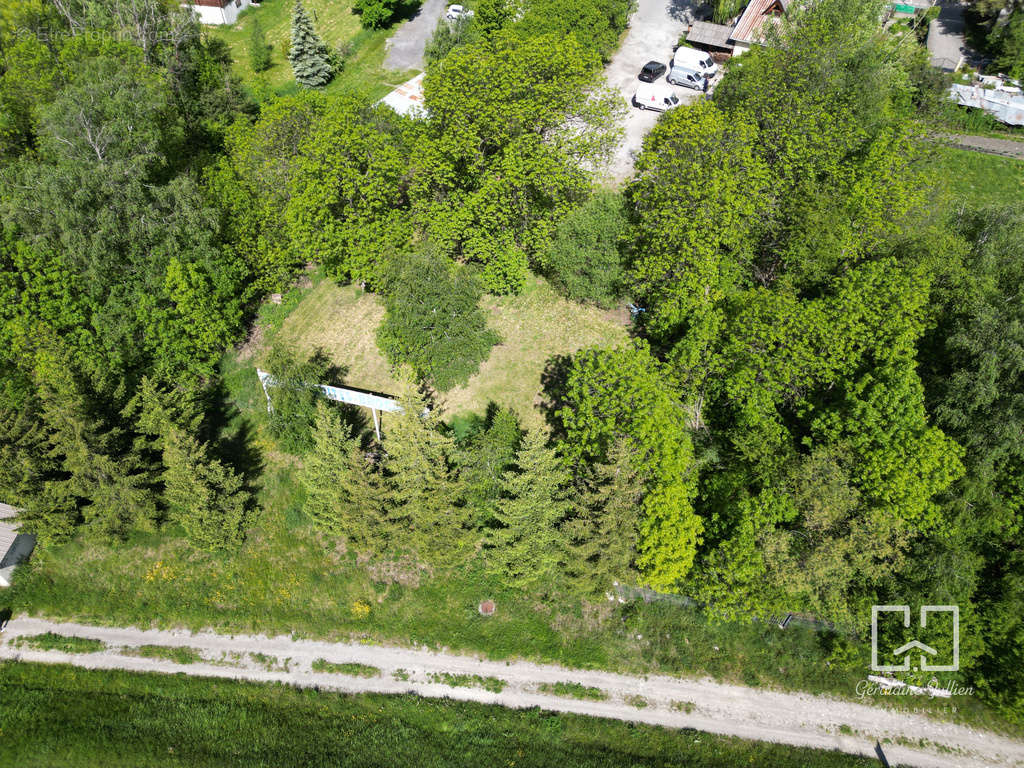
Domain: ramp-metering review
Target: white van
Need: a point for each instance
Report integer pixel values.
(688, 78)
(691, 58)
(655, 96)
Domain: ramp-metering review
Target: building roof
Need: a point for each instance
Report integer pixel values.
(749, 29)
(407, 99)
(6, 511)
(706, 33)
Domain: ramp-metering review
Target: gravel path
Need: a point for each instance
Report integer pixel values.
(654, 30)
(405, 47)
(787, 718)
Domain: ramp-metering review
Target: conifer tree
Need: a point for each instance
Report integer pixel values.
(602, 539)
(421, 492)
(308, 54)
(529, 547)
(204, 496)
(343, 493)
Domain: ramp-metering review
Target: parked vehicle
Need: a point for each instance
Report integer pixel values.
(688, 78)
(651, 71)
(657, 97)
(456, 12)
(691, 58)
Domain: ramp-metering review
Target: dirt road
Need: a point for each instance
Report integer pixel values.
(787, 718)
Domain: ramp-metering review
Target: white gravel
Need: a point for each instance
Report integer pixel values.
(787, 718)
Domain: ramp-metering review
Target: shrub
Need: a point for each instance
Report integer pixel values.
(434, 322)
(584, 262)
(448, 35)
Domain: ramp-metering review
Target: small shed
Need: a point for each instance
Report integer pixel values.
(15, 547)
(407, 99)
(712, 37)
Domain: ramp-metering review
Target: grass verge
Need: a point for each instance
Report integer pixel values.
(179, 655)
(492, 684)
(48, 641)
(573, 691)
(77, 717)
(348, 668)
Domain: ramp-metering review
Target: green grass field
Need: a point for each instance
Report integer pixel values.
(534, 326)
(336, 24)
(59, 715)
(978, 178)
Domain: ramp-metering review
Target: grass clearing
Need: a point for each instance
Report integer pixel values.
(336, 24)
(492, 684)
(978, 178)
(351, 669)
(573, 691)
(535, 326)
(49, 641)
(177, 654)
(57, 714)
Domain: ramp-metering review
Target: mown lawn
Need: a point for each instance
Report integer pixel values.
(61, 715)
(336, 24)
(535, 327)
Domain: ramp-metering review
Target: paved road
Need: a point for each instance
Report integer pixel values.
(946, 44)
(786, 718)
(405, 47)
(654, 29)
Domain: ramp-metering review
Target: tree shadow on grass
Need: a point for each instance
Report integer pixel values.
(553, 383)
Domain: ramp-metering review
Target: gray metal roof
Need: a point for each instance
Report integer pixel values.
(706, 33)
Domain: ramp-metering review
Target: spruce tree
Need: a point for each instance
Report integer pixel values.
(602, 539)
(423, 510)
(204, 496)
(528, 549)
(343, 494)
(308, 54)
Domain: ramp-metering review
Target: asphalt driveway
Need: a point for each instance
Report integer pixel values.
(405, 47)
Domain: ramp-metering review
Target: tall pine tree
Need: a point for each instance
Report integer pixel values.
(308, 54)
(528, 550)
(343, 493)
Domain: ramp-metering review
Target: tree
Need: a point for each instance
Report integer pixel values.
(308, 54)
(626, 394)
(421, 493)
(343, 486)
(259, 51)
(434, 322)
(449, 35)
(483, 459)
(497, 165)
(584, 260)
(528, 548)
(294, 396)
(603, 536)
(205, 497)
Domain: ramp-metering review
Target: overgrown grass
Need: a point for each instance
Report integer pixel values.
(573, 691)
(336, 24)
(76, 717)
(976, 178)
(288, 579)
(177, 654)
(492, 684)
(48, 641)
(347, 668)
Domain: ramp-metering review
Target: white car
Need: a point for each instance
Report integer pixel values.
(655, 96)
(456, 12)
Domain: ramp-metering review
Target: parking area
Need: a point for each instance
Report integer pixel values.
(654, 29)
